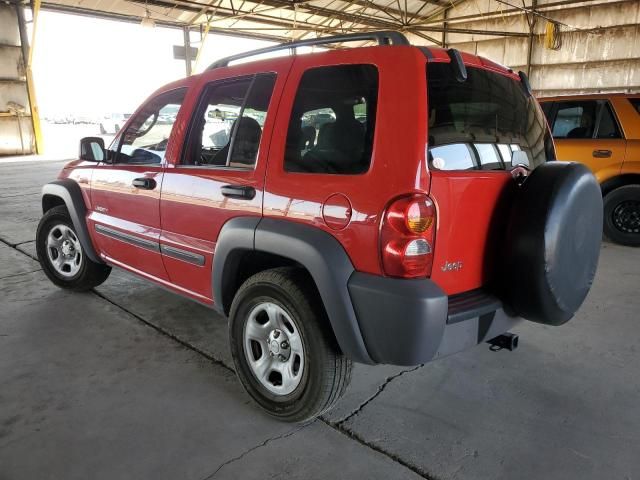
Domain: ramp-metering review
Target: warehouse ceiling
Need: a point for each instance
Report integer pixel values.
(283, 20)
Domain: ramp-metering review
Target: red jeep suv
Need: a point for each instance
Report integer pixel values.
(387, 204)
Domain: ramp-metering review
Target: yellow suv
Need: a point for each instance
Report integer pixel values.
(603, 132)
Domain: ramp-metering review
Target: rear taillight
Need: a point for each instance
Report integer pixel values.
(406, 237)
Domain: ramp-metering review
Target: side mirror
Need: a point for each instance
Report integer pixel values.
(92, 149)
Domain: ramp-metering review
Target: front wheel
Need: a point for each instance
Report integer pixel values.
(622, 215)
(61, 255)
(283, 349)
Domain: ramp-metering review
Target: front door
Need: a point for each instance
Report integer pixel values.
(220, 173)
(586, 131)
(125, 192)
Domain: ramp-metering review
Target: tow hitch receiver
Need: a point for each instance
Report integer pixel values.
(508, 341)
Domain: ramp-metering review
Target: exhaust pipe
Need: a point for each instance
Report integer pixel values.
(508, 341)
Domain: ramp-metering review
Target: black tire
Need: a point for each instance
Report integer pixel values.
(622, 215)
(89, 274)
(326, 373)
(553, 243)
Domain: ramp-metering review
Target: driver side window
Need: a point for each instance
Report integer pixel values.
(228, 123)
(145, 139)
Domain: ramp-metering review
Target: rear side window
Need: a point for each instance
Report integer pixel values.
(333, 121)
(575, 120)
(636, 103)
(456, 156)
(479, 123)
(227, 127)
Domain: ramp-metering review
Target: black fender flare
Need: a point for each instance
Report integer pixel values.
(317, 251)
(70, 193)
(236, 238)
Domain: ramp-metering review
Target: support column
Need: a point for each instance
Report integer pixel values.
(444, 26)
(17, 136)
(531, 20)
(187, 50)
(27, 51)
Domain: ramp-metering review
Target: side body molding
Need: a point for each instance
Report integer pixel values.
(329, 265)
(70, 193)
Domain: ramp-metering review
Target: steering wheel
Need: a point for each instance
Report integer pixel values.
(151, 125)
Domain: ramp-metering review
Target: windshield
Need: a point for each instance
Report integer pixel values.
(484, 123)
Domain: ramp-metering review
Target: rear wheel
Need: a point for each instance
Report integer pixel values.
(284, 352)
(622, 215)
(62, 256)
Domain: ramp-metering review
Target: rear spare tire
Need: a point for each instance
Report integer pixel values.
(553, 242)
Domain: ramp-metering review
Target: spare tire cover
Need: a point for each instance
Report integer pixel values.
(553, 242)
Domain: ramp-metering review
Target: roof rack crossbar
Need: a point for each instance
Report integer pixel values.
(387, 37)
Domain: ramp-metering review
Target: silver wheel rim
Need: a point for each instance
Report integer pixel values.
(64, 251)
(273, 348)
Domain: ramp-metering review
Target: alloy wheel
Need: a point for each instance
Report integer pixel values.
(273, 348)
(64, 251)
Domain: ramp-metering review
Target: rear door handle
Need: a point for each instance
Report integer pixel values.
(244, 192)
(601, 153)
(144, 183)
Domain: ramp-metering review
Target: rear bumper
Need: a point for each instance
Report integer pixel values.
(408, 322)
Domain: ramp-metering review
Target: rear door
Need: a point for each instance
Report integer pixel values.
(220, 172)
(342, 134)
(587, 131)
(479, 130)
(125, 193)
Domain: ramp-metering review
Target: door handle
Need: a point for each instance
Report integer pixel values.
(601, 153)
(144, 183)
(244, 192)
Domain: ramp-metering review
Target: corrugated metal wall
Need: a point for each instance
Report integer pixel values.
(16, 129)
(600, 46)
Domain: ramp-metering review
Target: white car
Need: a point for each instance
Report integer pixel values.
(113, 122)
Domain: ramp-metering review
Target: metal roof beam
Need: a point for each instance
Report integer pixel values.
(87, 12)
(471, 31)
(324, 12)
(557, 6)
(196, 7)
(424, 36)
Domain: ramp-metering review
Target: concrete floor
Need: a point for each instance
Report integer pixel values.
(133, 382)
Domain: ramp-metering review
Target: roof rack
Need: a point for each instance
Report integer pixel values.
(387, 37)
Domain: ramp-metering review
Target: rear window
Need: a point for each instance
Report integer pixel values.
(478, 124)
